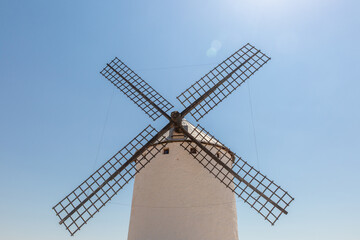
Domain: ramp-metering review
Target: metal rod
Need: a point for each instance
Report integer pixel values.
(211, 90)
(133, 158)
(230, 170)
(143, 95)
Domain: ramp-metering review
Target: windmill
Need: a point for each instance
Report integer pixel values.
(182, 157)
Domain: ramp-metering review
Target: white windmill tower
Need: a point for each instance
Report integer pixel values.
(175, 197)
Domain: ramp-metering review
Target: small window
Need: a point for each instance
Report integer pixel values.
(217, 154)
(193, 150)
(166, 151)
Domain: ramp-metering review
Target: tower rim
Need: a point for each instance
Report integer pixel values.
(204, 143)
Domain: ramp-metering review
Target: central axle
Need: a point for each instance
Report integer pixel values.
(176, 119)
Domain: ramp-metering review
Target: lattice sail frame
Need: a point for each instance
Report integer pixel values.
(245, 171)
(126, 73)
(251, 58)
(103, 196)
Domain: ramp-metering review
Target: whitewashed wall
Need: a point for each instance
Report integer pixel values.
(176, 198)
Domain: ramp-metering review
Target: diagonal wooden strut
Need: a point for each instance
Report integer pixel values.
(133, 158)
(231, 171)
(143, 95)
(211, 90)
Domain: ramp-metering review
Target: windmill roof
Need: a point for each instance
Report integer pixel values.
(201, 136)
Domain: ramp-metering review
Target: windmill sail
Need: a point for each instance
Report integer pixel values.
(88, 198)
(214, 87)
(135, 88)
(262, 194)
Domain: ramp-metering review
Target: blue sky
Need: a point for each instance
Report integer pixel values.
(60, 119)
